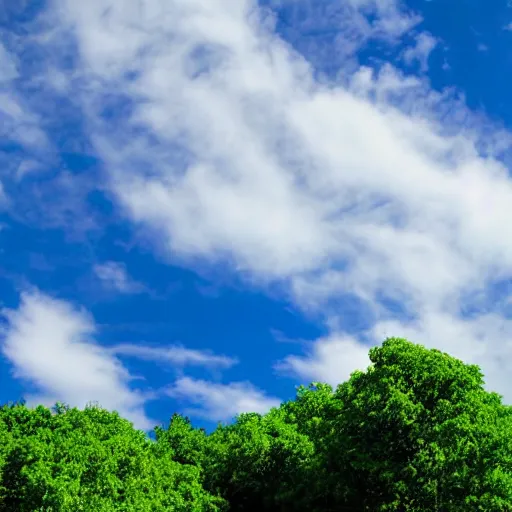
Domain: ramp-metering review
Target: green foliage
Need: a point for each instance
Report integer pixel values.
(414, 432)
(90, 460)
(259, 462)
(418, 432)
(182, 441)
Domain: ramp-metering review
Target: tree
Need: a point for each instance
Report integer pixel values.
(90, 460)
(181, 441)
(259, 463)
(418, 432)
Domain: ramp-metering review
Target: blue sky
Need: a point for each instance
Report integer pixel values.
(206, 204)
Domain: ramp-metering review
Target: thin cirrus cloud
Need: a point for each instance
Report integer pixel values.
(19, 123)
(177, 355)
(114, 276)
(374, 185)
(8, 68)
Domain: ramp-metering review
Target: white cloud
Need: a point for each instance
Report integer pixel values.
(330, 360)
(425, 43)
(177, 355)
(50, 344)
(113, 274)
(374, 186)
(221, 402)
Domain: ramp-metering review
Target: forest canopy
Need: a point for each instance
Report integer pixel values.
(415, 432)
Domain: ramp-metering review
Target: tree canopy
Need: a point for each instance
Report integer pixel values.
(416, 431)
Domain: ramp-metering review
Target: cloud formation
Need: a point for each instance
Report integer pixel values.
(221, 402)
(177, 355)
(229, 149)
(113, 274)
(51, 346)
(425, 43)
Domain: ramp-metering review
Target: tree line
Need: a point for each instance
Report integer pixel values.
(415, 432)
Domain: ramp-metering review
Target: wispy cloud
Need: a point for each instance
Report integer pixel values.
(221, 402)
(51, 345)
(18, 122)
(32, 111)
(425, 43)
(114, 275)
(3, 197)
(177, 355)
(330, 33)
(8, 68)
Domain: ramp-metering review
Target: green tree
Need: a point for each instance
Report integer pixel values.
(259, 463)
(90, 460)
(418, 432)
(181, 441)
